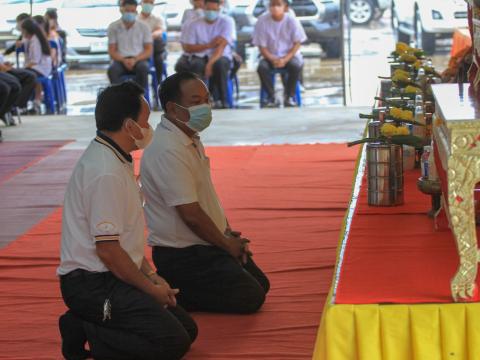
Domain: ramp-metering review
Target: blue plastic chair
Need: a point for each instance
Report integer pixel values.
(47, 86)
(153, 73)
(264, 94)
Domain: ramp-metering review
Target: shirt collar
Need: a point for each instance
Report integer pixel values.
(112, 145)
(184, 138)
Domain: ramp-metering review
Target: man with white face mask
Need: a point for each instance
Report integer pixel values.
(116, 301)
(194, 247)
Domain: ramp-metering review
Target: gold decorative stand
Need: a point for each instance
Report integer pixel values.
(456, 133)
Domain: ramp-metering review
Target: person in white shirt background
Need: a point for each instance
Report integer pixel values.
(129, 46)
(38, 59)
(193, 246)
(158, 28)
(279, 36)
(210, 42)
(115, 300)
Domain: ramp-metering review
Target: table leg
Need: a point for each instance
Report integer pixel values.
(463, 175)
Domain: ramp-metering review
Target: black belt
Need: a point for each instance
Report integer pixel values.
(81, 272)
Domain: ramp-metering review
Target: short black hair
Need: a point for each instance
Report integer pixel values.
(21, 17)
(52, 14)
(170, 88)
(128, 2)
(213, 1)
(116, 103)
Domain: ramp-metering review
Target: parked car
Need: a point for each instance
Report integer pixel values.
(9, 9)
(86, 23)
(425, 20)
(174, 10)
(320, 19)
(361, 12)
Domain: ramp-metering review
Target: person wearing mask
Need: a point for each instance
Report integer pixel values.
(115, 300)
(279, 36)
(129, 46)
(193, 14)
(21, 84)
(210, 42)
(38, 58)
(193, 246)
(189, 15)
(157, 28)
(11, 49)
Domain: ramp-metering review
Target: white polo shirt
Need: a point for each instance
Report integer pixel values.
(102, 203)
(200, 31)
(130, 41)
(175, 171)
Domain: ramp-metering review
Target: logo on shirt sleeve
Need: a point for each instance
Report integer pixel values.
(106, 227)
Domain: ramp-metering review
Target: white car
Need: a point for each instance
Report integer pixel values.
(86, 23)
(361, 12)
(427, 20)
(174, 10)
(9, 9)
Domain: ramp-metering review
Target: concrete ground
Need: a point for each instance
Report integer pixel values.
(230, 127)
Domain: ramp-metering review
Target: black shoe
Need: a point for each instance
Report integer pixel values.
(73, 337)
(1, 137)
(289, 102)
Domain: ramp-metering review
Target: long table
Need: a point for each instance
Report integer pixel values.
(390, 296)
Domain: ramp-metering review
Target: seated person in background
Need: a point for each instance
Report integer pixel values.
(19, 19)
(21, 83)
(54, 49)
(38, 58)
(198, 12)
(194, 248)
(193, 14)
(129, 46)
(157, 27)
(210, 42)
(115, 300)
(55, 34)
(9, 91)
(278, 36)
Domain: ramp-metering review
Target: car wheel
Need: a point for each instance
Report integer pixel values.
(331, 49)
(361, 12)
(398, 34)
(425, 40)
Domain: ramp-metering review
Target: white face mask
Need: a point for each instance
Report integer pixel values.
(147, 136)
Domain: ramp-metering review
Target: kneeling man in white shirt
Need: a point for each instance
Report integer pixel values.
(194, 248)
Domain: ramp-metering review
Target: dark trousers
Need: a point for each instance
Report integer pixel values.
(218, 81)
(117, 70)
(27, 79)
(292, 69)
(139, 327)
(211, 280)
(9, 91)
(159, 56)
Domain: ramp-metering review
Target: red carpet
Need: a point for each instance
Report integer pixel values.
(290, 200)
(16, 156)
(394, 255)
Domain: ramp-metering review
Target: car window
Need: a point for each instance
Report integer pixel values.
(89, 3)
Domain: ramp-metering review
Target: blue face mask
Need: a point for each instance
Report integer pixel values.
(129, 17)
(211, 15)
(200, 116)
(147, 8)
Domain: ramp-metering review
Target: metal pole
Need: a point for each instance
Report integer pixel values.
(31, 7)
(342, 50)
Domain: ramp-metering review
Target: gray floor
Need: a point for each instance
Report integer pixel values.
(230, 127)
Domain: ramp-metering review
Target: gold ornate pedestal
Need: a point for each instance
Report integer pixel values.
(456, 132)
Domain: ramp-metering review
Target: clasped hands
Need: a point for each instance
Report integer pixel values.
(129, 63)
(279, 63)
(164, 294)
(238, 246)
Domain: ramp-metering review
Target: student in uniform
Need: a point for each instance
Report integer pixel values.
(157, 28)
(279, 36)
(194, 247)
(209, 40)
(115, 300)
(129, 46)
